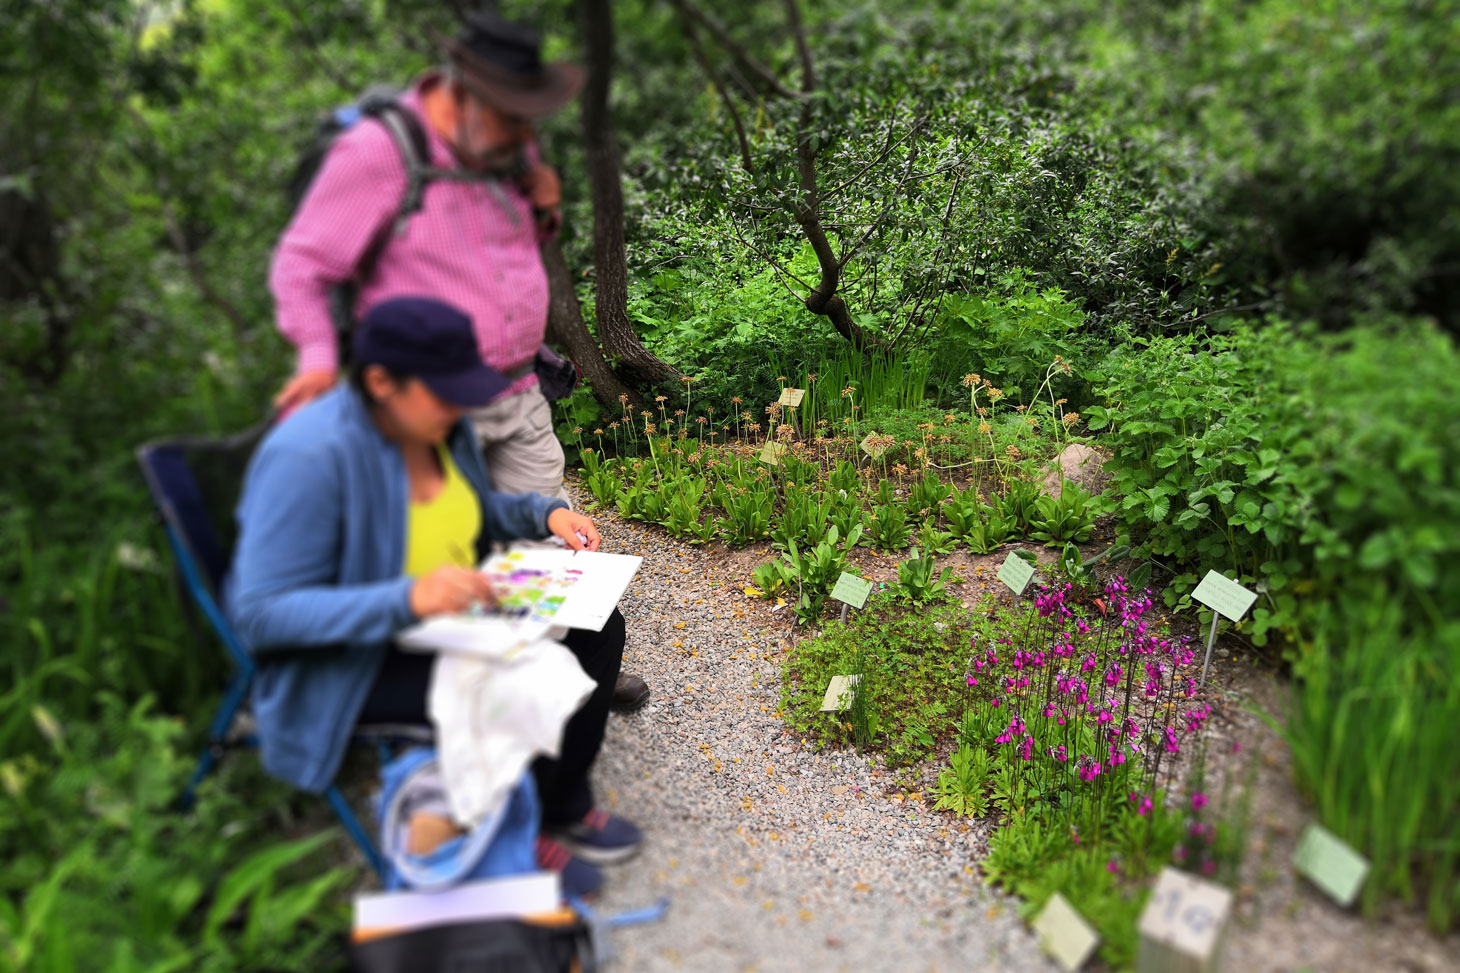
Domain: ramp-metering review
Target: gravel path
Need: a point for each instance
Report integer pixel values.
(773, 857)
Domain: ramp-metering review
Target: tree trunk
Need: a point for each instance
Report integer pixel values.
(611, 298)
(566, 328)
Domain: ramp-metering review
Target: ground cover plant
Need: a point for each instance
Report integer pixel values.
(952, 478)
(1074, 722)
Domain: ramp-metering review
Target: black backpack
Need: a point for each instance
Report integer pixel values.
(381, 102)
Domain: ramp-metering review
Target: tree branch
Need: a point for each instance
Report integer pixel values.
(738, 53)
(880, 157)
(808, 67)
(699, 52)
(915, 318)
(200, 279)
(781, 272)
(912, 157)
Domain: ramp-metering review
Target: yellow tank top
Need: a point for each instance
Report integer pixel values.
(444, 530)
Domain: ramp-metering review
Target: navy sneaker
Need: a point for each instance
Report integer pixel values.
(601, 838)
(580, 880)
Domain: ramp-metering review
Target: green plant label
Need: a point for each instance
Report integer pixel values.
(872, 445)
(771, 452)
(791, 398)
(839, 693)
(1221, 594)
(1016, 572)
(1064, 934)
(852, 590)
(1330, 864)
(1184, 923)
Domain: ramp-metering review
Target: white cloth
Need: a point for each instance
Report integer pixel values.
(493, 717)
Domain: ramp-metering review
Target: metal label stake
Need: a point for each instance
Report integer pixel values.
(1211, 641)
(1224, 597)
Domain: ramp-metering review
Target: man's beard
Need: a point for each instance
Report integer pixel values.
(503, 160)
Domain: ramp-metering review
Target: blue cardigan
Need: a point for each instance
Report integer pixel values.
(316, 589)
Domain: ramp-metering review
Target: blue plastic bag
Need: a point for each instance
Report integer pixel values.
(504, 844)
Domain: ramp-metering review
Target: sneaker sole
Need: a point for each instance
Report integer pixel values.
(633, 705)
(597, 856)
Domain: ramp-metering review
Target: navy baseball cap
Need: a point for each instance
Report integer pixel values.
(417, 337)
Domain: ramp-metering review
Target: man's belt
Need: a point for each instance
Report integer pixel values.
(521, 372)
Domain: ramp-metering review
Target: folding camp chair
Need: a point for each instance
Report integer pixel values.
(195, 484)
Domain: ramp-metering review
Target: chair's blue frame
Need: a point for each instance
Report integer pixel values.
(203, 594)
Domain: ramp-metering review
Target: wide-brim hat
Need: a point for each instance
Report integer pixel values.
(501, 62)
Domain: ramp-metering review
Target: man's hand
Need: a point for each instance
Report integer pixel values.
(575, 528)
(543, 187)
(304, 387)
(449, 591)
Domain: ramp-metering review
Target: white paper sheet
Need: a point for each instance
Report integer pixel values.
(519, 895)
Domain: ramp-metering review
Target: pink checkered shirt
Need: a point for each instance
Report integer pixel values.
(462, 247)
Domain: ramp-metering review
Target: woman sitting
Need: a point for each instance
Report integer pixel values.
(364, 513)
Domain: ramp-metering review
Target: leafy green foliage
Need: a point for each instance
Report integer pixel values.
(1066, 516)
(1275, 454)
(1010, 337)
(104, 874)
(918, 578)
(907, 654)
(1080, 571)
(961, 788)
(815, 572)
(1378, 704)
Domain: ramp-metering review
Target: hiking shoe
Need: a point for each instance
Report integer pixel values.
(629, 693)
(579, 879)
(601, 838)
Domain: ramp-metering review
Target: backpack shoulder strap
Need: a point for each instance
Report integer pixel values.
(410, 138)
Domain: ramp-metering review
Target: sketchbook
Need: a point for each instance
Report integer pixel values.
(537, 589)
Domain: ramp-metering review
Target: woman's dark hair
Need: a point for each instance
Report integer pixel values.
(357, 380)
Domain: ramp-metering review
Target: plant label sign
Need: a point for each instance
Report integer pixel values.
(1330, 864)
(1064, 934)
(1222, 594)
(872, 445)
(771, 452)
(1184, 926)
(1224, 597)
(839, 693)
(791, 398)
(852, 590)
(1016, 573)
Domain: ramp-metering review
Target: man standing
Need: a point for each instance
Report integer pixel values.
(473, 244)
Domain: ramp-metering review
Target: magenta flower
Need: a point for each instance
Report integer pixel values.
(1142, 802)
(972, 681)
(1113, 867)
(1198, 801)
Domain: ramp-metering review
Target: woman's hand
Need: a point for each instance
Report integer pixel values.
(575, 528)
(449, 591)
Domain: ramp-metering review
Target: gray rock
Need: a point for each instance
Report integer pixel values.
(1080, 464)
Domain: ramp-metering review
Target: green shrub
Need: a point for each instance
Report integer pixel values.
(102, 873)
(1308, 465)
